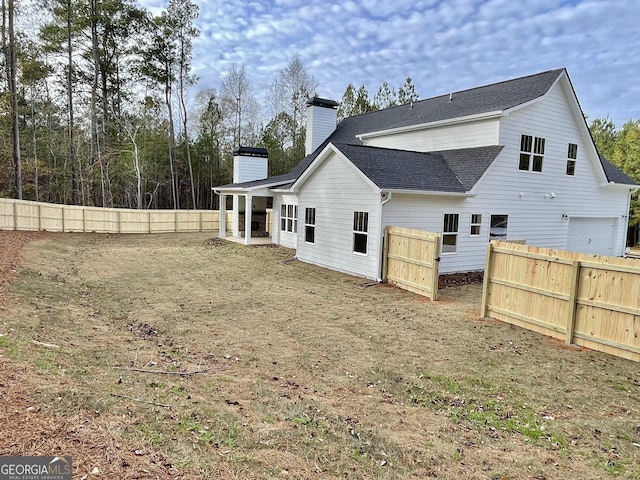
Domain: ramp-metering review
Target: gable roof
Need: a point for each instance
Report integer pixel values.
(475, 101)
(467, 165)
(454, 171)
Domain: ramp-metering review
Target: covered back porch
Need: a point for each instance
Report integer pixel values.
(251, 222)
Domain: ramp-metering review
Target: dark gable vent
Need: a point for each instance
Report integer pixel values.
(251, 152)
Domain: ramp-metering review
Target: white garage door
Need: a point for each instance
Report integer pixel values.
(592, 235)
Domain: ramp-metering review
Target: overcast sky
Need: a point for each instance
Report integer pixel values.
(443, 46)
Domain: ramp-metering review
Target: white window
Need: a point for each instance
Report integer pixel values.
(531, 153)
(572, 155)
(289, 218)
(450, 233)
(360, 231)
(310, 225)
(476, 222)
(498, 229)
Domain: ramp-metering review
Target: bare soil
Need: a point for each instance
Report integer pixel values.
(183, 356)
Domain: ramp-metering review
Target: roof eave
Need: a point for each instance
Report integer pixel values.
(423, 126)
(248, 189)
(621, 186)
(427, 192)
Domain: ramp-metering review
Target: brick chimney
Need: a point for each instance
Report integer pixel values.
(321, 122)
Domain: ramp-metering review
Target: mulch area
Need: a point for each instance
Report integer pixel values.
(458, 279)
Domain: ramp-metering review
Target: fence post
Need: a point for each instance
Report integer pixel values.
(15, 215)
(385, 254)
(435, 268)
(571, 320)
(484, 309)
(39, 217)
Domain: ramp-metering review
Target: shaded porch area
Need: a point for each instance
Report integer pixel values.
(251, 220)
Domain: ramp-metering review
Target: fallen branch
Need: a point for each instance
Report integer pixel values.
(42, 344)
(163, 372)
(142, 401)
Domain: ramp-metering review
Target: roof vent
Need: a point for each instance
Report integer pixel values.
(450, 97)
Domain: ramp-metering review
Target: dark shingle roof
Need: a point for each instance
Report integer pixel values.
(275, 180)
(485, 99)
(614, 174)
(488, 98)
(448, 171)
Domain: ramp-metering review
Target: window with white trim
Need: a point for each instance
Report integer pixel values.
(476, 222)
(289, 218)
(450, 233)
(572, 155)
(360, 231)
(498, 227)
(310, 225)
(531, 153)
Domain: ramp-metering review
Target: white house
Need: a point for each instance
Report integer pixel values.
(511, 160)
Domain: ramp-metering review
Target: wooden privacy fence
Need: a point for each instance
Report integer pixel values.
(411, 259)
(587, 300)
(27, 215)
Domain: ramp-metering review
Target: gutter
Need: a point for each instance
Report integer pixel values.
(431, 192)
(385, 197)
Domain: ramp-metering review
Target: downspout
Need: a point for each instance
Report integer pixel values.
(384, 199)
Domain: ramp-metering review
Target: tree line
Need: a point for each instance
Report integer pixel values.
(102, 107)
(621, 146)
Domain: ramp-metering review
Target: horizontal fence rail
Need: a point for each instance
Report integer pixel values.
(38, 216)
(411, 260)
(587, 300)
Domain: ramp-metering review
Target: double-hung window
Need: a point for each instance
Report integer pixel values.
(289, 218)
(310, 225)
(572, 155)
(360, 231)
(531, 153)
(476, 222)
(450, 233)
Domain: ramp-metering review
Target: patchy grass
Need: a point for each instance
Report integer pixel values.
(229, 362)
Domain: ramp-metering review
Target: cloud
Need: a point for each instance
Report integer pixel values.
(443, 45)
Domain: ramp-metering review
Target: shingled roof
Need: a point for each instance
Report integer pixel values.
(466, 166)
(454, 171)
(488, 98)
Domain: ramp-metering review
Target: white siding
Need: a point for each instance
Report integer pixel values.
(336, 191)
(535, 216)
(426, 212)
(286, 239)
(321, 122)
(473, 134)
(246, 169)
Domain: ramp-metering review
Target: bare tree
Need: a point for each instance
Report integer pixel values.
(238, 103)
(289, 92)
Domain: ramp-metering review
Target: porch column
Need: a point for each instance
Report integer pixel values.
(235, 230)
(248, 213)
(222, 220)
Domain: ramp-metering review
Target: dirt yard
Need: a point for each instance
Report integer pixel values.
(182, 356)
